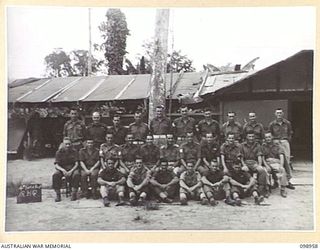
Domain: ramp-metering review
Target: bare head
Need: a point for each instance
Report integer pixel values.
(96, 117)
(279, 113)
(252, 116)
(231, 116)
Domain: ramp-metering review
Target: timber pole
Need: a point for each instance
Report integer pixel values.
(159, 63)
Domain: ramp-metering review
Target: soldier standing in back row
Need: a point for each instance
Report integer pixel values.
(138, 129)
(96, 130)
(252, 126)
(232, 126)
(75, 130)
(209, 125)
(160, 126)
(119, 132)
(183, 125)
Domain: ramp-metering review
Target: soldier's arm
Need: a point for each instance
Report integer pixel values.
(57, 167)
(123, 165)
(75, 166)
(265, 163)
(121, 181)
(154, 182)
(129, 181)
(174, 181)
(84, 167)
(199, 183)
(235, 183)
(205, 181)
(290, 132)
(197, 164)
(225, 169)
(183, 184)
(145, 181)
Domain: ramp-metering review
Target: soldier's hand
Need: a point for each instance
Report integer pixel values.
(88, 172)
(226, 171)
(65, 172)
(245, 168)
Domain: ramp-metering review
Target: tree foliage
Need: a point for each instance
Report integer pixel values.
(62, 64)
(114, 32)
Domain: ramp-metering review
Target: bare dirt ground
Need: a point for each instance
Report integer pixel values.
(292, 213)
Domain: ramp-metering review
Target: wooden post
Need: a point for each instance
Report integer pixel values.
(89, 51)
(159, 62)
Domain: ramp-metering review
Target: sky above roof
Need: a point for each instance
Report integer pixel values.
(206, 35)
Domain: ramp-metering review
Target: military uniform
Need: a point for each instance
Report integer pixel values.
(170, 152)
(76, 131)
(210, 151)
(160, 127)
(139, 131)
(191, 179)
(119, 134)
(243, 178)
(183, 126)
(66, 158)
(89, 159)
(190, 151)
(234, 128)
(129, 153)
(256, 128)
(271, 152)
(97, 132)
(214, 177)
(231, 154)
(111, 175)
(137, 176)
(282, 132)
(109, 151)
(165, 176)
(250, 154)
(150, 155)
(211, 127)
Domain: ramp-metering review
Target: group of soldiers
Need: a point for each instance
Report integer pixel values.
(166, 160)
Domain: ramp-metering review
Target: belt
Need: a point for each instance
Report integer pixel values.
(138, 142)
(160, 136)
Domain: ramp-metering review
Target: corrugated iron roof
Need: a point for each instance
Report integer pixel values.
(222, 80)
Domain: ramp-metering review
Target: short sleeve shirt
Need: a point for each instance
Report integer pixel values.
(149, 153)
(254, 127)
(108, 174)
(241, 177)
(214, 176)
(129, 152)
(210, 151)
(139, 131)
(190, 179)
(96, 132)
(109, 151)
(230, 152)
(137, 175)
(234, 128)
(75, 130)
(282, 130)
(190, 151)
(119, 134)
(182, 127)
(160, 126)
(66, 158)
(163, 176)
(170, 152)
(211, 127)
(250, 152)
(89, 158)
(272, 150)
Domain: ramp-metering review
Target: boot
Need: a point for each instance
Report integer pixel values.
(58, 195)
(121, 202)
(74, 194)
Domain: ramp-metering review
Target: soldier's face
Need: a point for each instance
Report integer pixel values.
(279, 114)
(184, 112)
(90, 144)
(163, 165)
(73, 114)
(231, 117)
(190, 167)
(171, 165)
(189, 137)
(230, 139)
(67, 144)
(149, 140)
(252, 116)
(109, 138)
(207, 114)
(237, 168)
(95, 117)
(170, 139)
(116, 121)
(130, 139)
(214, 166)
(209, 138)
(137, 117)
(110, 164)
(159, 112)
(268, 137)
(250, 137)
(138, 163)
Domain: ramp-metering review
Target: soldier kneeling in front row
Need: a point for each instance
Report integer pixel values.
(164, 182)
(111, 180)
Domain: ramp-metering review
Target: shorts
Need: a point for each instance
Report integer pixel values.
(242, 193)
(195, 195)
(219, 192)
(171, 191)
(145, 189)
(108, 191)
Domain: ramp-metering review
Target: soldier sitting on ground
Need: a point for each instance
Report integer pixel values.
(111, 181)
(66, 165)
(164, 182)
(90, 165)
(243, 185)
(191, 185)
(138, 182)
(215, 183)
